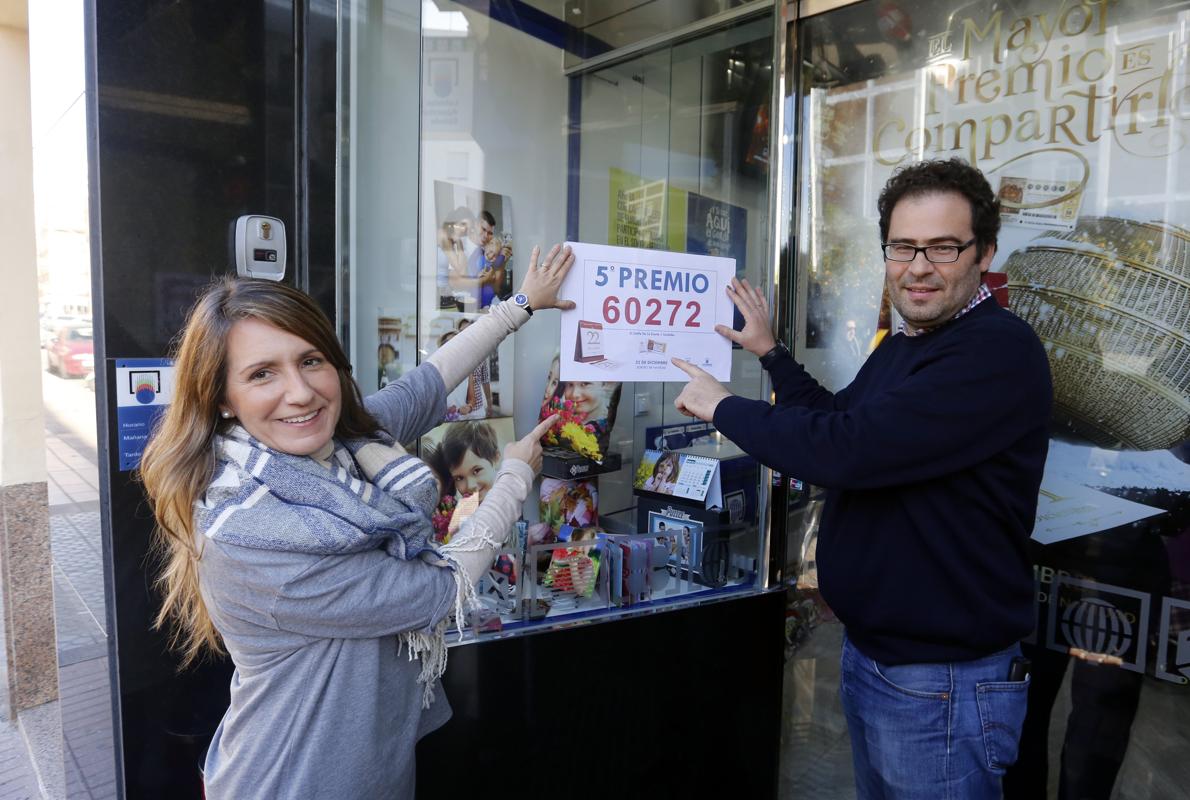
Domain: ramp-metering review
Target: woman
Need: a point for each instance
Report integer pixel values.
(295, 532)
(451, 257)
(458, 402)
(479, 385)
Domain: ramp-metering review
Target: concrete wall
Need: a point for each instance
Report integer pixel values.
(25, 567)
(22, 447)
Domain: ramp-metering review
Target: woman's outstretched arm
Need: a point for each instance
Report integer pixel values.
(456, 359)
(415, 403)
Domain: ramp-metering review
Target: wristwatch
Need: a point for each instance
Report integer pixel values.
(521, 299)
(779, 349)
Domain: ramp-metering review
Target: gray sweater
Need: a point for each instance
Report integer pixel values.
(322, 703)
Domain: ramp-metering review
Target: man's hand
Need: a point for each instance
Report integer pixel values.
(701, 396)
(757, 335)
(542, 281)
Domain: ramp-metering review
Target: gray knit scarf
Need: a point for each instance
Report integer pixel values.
(374, 495)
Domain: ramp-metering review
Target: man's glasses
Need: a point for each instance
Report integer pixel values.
(935, 253)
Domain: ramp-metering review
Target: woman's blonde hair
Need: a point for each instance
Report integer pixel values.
(178, 461)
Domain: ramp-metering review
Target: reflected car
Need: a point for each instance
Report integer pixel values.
(70, 353)
(51, 325)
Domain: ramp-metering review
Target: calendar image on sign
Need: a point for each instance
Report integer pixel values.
(637, 309)
(588, 345)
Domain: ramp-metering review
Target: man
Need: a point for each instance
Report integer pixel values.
(854, 348)
(932, 458)
(479, 233)
(485, 258)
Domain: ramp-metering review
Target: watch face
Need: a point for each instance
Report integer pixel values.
(521, 300)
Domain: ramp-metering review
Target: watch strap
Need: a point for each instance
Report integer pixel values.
(779, 350)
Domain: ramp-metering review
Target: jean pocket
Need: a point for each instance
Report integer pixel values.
(1002, 707)
(927, 681)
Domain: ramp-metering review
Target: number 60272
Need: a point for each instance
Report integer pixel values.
(652, 311)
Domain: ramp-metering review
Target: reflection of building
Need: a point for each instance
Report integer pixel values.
(1111, 301)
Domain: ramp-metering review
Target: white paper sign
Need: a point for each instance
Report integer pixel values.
(1066, 510)
(639, 308)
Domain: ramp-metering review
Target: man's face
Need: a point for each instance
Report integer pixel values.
(927, 294)
(482, 232)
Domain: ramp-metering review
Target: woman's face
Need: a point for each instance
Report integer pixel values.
(589, 398)
(281, 388)
(473, 474)
(664, 469)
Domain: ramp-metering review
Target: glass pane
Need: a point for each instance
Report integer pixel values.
(378, 185)
(441, 210)
(1076, 113)
(674, 157)
(598, 26)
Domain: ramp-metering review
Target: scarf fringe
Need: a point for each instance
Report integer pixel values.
(431, 647)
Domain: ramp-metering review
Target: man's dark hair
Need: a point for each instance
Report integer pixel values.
(487, 217)
(955, 175)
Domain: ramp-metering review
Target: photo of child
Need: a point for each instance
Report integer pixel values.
(586, 409)
(658, 471)
(665, 473)
(465, 456)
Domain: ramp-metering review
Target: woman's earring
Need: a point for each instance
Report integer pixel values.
(225, 414)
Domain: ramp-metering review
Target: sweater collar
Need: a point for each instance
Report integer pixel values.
(983, 293)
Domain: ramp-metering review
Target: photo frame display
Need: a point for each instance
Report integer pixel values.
(474, 246)
(586, 411)
(465, 457)
(684, 535)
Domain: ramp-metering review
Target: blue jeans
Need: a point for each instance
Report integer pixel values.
(931, 731)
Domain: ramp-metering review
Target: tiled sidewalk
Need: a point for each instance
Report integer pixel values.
(80, 609)
(80, 614)
(72, 471)
(17, 779)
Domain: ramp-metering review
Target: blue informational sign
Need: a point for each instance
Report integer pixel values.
(143, 389)
(715, 228)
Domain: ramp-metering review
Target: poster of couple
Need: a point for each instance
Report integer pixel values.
(474, 247)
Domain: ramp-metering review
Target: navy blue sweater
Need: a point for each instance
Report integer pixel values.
(932, 459)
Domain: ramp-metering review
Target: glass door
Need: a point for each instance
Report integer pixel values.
(464, 144)
(674, 156)
(1076, 113)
